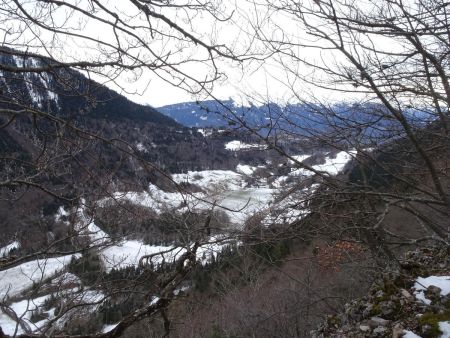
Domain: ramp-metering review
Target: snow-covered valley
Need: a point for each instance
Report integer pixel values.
(239, 194)
(235, 192)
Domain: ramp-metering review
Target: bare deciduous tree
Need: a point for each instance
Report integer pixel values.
(389, 59)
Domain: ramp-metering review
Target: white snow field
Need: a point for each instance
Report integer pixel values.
(128, 253)
(228, 189)
(299, 158)
(333, 166)
(212, 179)
(445, 329)
(17, 279)
(23, 277)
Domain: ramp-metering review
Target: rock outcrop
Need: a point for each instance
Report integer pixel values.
(412, 302)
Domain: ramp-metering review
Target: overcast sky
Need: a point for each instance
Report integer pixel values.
(274, 79)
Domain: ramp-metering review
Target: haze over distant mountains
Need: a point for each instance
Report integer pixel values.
(366, 120)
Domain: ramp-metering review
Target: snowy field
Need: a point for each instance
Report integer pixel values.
(332, 166)
(128, 253)
(22, 277)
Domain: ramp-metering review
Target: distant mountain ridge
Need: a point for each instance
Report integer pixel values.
(363, 120)
(211, 113)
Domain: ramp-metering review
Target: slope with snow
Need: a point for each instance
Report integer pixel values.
(127, 253)
(39, 85)
(23, 310)
(18, 315)
(230, 192)
(17, 279)
(332, 165)
(4, 251)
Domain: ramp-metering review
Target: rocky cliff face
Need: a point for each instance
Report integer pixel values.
(412, 302)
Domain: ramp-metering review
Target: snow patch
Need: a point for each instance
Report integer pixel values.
(141, 147)
(445, 329)
(421, 284)
(205, 132)
(212, 179)
(4, 251)
(61, 214)
(299, 158)
(86, 227)
(335, 165)
(24, 309)
(109, 327)
(46, 81)
(332, 166)
(245, 169)
(410, 334)
(154, 300)
(128, 253)
(154, 198)
(31, 80)
(238, 145)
